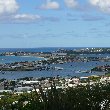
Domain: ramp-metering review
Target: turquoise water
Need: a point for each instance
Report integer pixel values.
(11, 59)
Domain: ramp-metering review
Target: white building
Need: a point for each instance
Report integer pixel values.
(23, 89)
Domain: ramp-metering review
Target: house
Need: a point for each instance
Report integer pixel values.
(9, 91)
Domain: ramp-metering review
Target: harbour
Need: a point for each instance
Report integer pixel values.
(62, 65)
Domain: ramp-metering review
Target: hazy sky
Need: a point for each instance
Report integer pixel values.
(54, 23)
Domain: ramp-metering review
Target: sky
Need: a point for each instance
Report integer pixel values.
(54, 23)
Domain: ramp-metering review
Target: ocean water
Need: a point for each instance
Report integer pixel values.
(11, 59)
(42, 49)
(69, 69)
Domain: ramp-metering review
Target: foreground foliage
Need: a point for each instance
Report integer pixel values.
(94, 97)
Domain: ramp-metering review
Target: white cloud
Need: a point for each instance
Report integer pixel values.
(50, 5)
(8, 13)
(71, 3)
(103, 5)
(8, 6)
(20, 18)
(26, 17)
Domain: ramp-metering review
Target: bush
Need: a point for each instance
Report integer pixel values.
(94, 97)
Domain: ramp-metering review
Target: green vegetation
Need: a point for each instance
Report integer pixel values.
(107, 74)
(94, 78)
(94, 97)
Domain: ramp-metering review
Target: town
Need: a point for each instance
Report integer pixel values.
(28, 84)
(25, 87)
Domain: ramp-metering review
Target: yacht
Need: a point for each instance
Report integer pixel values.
(58, 68)
(83, 71)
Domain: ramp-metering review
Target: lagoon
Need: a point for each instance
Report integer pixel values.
(12, 59)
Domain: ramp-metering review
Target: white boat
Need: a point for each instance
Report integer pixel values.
(82, 71)
(58, 68)
(61, 62)
(78, 71)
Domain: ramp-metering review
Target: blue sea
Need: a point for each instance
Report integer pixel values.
(41, 49)
(69, 68)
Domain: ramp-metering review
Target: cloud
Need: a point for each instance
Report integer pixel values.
(8, 6)
(50, 5)
(92, 18)
(103, 5)
(8, 13)
(71, 3)
(72, 17)
(26, 17)
(19, 18)
(51, 18)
